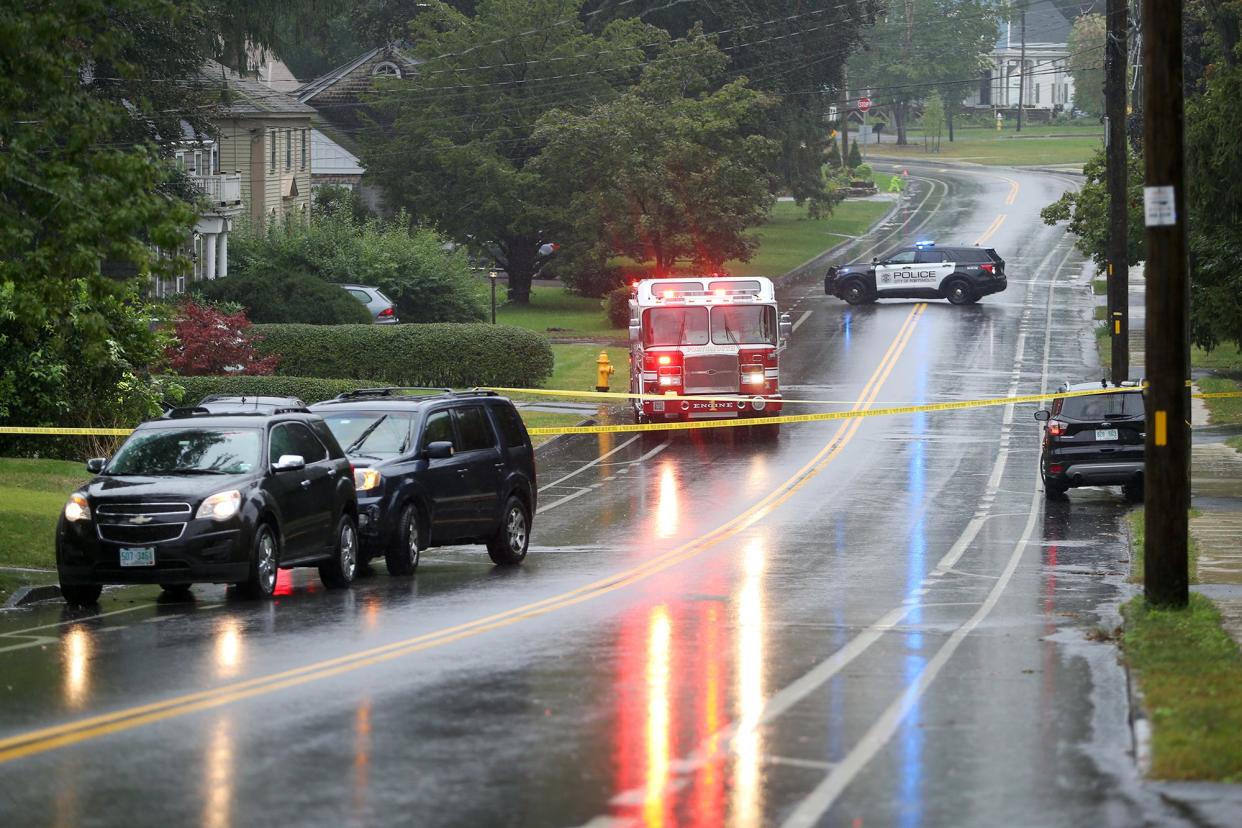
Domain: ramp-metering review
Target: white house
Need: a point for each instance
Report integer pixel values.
(1049, 86)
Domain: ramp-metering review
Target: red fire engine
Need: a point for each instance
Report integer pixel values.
(708, 336)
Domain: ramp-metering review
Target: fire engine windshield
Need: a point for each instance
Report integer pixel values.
(744, 325)
(675, 326)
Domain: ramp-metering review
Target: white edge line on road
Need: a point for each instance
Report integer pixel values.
(590, 464)
(813, 808)
(595, 486)
(801, 319)
(785, 699)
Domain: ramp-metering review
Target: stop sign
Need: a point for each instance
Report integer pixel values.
(864, 104)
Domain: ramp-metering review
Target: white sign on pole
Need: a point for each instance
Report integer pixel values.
(1159, 209)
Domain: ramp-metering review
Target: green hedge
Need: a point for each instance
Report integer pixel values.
(308, 389)
(440, 354)
(286, 296)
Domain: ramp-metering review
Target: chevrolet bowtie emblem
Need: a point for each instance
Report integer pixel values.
(140, 520)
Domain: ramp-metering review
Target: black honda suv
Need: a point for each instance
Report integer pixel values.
(198, 497)
(436, 469)
(1094, 439)
(921, 271)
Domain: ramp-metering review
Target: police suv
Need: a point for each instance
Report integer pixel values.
(922, 271)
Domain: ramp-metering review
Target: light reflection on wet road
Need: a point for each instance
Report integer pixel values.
(747, 625)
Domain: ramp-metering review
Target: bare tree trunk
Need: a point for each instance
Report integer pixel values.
(899, 115)
(520, 266)
(948, 116)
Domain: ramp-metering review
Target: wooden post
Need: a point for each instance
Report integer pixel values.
(1118, 185)
(1167, 480)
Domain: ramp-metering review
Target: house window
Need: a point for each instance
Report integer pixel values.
(985, 89)
(304, 148)
(387, 69)
(1037, 93)
(271, 137)
(288, 149)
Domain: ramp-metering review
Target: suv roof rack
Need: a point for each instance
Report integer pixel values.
(388, 391)
(185, 412)
(396, 390)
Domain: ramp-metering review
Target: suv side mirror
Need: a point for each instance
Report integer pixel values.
(439, 450)
(786, 326)
(289, 462)
(1043, 414)
(96, 464)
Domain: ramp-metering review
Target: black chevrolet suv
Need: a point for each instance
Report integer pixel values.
(1094, 439)
(436, 469)
(922, 271)
(198, 497)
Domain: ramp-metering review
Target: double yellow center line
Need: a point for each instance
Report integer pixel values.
(46, 739)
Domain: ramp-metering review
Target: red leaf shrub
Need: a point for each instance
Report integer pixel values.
(210, 341)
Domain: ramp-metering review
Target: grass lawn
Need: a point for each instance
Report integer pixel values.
(1190, 672)
(1033, 146)
(559, 313)
(1227, 411)
(1226, 358)
(546, 419)
(1099, 286)
(790, 238)
(1234, 443)
(33, 493)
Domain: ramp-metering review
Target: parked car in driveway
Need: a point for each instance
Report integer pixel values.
(1094, 439)
(202, 497)
(439, 469)
(381, 307)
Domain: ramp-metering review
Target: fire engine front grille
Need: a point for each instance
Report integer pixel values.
(713, 373)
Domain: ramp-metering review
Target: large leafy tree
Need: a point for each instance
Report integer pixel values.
(1214, 202)
(1086, 45)
(920, 45)
(793, 49)
(459, 151)
(675, 169)
(76, 194)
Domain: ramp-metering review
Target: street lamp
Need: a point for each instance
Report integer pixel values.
(492, 275)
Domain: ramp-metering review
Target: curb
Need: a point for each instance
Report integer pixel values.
(30, 594)
(1140, 724)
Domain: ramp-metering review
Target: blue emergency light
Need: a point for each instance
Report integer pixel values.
(923, 245)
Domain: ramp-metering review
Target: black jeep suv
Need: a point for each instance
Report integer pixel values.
(1095, 439)
(922, 271)
(436, 469)
(199, 497)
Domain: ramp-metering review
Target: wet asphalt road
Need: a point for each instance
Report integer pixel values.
(865, 622)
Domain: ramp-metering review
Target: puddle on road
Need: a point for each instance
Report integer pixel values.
(1216, 487)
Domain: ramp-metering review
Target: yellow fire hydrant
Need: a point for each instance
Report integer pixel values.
(605, 370)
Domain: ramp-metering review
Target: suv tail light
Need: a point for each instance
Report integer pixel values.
(990, 268)
(1056, 428)
(386, 313)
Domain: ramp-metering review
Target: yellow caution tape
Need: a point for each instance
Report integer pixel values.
(680, 425)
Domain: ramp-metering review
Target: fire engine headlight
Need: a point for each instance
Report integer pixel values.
(668, 379)
(753, 378)
(77, 509)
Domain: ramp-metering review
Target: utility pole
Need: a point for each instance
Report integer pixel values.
(1022, 70)
(1167, 474)
(1118, 185)
(843, 110)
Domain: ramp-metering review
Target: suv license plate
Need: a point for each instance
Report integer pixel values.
(138, 556)
(1106, 434)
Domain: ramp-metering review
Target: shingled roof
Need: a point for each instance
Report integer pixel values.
(250, 97)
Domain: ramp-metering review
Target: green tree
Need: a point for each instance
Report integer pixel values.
(855, 156)
(674, 169)
(932, 121)
(1086, 210)
(791, 49)
(458, 153)
(1086, 50)
(920, 44)
(76, 194)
